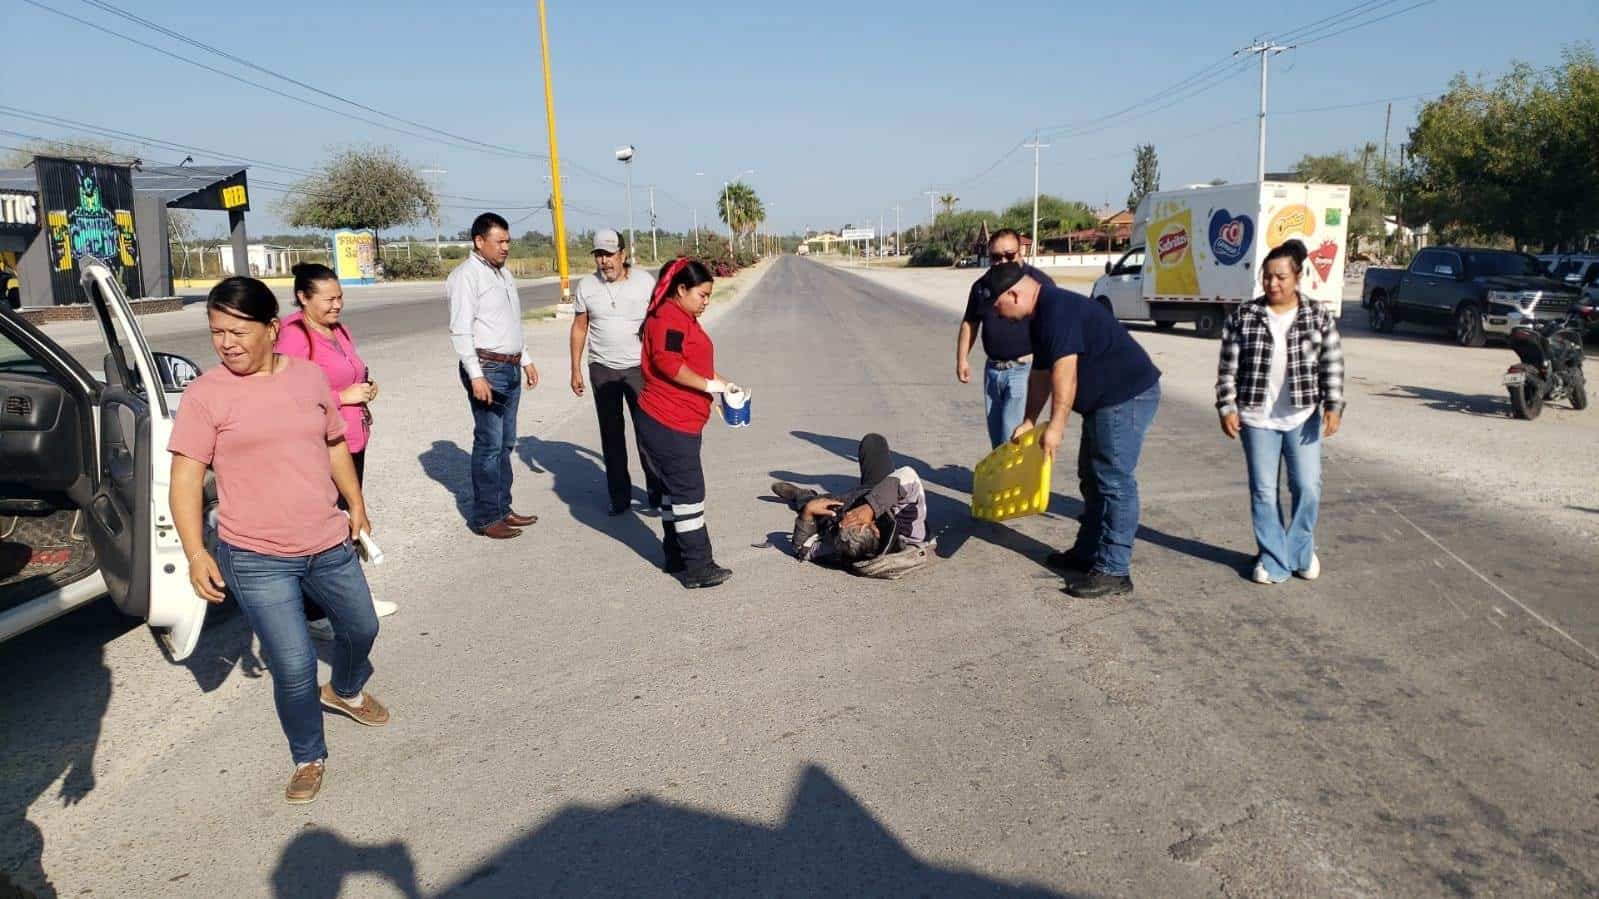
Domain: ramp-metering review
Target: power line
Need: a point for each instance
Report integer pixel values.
(1350, 28)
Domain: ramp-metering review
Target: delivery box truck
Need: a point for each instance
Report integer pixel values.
(1196, 253)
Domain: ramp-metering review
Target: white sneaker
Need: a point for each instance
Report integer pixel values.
(321, 629)
(1314, 571)
(384, 608)
(1260, 576)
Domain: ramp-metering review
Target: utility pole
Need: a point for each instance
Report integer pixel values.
(898, 234)
(558, 212)
(430, 173)
(655, 248)
(1265, 50)
(1035, 146)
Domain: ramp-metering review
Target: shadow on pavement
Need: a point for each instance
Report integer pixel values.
(1495, 406)
(317, 862)
(579, 481)
(826, 845)
(451, 466)
(952, 523)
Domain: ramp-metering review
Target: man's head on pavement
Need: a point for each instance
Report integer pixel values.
(610, 254)
(1004, 246)
(1014, 294)
(491, 238)
(857, 543)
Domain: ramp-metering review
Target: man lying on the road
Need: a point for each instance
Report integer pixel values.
(878, 529)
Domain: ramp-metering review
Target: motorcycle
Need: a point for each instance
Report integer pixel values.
(1551, 363)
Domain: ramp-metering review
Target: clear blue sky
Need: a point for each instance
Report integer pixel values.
(843, 109)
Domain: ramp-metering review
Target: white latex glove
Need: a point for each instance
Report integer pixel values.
(734, 388)
(715, 386)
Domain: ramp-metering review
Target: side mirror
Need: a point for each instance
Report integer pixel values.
(1107, 266)
(176, 371)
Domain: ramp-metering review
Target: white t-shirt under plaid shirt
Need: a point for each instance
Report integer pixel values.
(1278, 412)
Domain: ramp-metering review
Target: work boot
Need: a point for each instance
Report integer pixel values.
(786, 492)
(709, 576)
(1098, 584)
(1070, 560)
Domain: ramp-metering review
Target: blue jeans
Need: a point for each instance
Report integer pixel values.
(1004, 399)
(1284, 551)
(493, 442)
(1107, 461)
(269, 590)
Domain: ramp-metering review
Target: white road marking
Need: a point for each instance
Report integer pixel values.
(1500, 590)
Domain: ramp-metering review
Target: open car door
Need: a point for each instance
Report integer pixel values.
(130, 520)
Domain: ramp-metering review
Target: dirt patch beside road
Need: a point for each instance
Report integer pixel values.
(1415, 400)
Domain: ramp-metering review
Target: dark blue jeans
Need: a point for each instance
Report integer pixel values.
(1107, 463)
(1004, 399)
(269, 590)
(493, 442)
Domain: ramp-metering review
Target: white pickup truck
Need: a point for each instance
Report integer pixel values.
(1195, 253)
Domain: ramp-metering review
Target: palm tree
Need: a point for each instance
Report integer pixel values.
(948, 201)
(747, 212)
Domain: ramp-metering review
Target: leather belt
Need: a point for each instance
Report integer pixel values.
(508, 359)
(1011, 363)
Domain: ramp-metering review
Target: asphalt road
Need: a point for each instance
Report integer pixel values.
(570, 722)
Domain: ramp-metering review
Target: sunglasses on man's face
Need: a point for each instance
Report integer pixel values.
(996, 256)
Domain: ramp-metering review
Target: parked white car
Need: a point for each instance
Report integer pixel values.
(84, 474)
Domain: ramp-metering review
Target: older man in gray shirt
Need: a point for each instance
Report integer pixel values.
(610, 306)
(486, 329)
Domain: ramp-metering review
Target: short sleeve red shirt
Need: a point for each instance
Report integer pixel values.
(673, 339)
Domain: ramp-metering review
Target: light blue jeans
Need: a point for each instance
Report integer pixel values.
(1004, 399)
(1284, 551)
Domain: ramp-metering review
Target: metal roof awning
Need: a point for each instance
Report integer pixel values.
(221, 188)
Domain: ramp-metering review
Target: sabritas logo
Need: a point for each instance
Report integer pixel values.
(1172, 245)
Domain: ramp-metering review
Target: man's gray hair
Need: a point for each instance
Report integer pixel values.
(855, 544)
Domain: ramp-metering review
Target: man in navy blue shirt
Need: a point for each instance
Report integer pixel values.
(1006, 343)
(1084, 361)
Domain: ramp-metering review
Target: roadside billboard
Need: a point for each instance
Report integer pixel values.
(355, 256)
(88, 208)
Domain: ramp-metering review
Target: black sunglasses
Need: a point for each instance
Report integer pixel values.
(1004, 257)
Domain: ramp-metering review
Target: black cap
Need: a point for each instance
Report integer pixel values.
(1001, 278)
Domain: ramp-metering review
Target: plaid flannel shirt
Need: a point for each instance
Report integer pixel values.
(1315, 359)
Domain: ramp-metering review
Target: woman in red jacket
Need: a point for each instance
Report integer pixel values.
(679, 377)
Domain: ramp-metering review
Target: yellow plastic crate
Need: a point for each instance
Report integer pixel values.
(1013, 481)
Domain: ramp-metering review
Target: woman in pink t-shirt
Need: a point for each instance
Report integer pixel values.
(315, 333)
(271, 430)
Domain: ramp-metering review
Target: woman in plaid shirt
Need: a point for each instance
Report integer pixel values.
(1280, 386)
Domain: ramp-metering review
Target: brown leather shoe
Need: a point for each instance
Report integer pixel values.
(518, 520)
(371, 712)
(305, 784)
(500, 530)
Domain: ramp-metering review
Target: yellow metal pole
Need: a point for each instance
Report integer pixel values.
(559, 212)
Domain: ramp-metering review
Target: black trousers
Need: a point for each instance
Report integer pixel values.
(313, 612)
(877, 462)
(674, 457)
(614, 387)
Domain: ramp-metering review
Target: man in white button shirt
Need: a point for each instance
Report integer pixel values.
(610, 309)
(486, 329)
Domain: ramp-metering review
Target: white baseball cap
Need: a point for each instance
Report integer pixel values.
(607, 241)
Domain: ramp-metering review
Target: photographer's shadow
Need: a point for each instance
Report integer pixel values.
(578, 474)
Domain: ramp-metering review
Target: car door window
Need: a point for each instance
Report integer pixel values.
(15, 359)
(1425, 262)
(1130, 264)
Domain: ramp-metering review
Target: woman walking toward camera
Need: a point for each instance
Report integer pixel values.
(271, 430)
(1280, 389)
(679, 377)
(316, 334)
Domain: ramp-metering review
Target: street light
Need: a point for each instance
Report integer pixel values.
(624, 155)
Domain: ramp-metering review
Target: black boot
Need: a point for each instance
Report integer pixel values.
(1098, 585)
(709, 576)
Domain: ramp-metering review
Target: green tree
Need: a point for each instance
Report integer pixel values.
(1146, 174)
(1515, 158)
(740, 208)
(1056, 216)
(361, 187)
(948, 201)
(1365, 190)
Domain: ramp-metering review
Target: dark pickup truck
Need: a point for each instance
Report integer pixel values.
(1476, 292)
